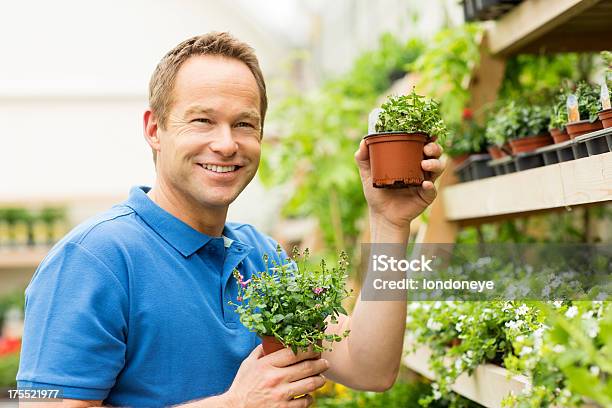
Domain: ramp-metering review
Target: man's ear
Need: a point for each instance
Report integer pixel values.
(150, 130)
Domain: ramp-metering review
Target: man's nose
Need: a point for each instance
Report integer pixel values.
(224, 143)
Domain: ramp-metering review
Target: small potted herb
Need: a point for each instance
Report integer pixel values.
(467, 138)
(558, 118)
(588, 106)
(405, 124)
(523, 127)
(499, 125)
(289, 304)
(531, 130)
(605, 114)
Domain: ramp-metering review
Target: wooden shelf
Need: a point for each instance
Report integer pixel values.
(25, 258)
(553, 26)
(488, 385)
(576, 182)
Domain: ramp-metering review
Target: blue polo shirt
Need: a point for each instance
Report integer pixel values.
(131, 308)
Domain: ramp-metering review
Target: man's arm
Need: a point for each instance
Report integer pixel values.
(370, 357)
(262, 381)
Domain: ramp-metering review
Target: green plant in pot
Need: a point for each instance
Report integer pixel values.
(558, 117)
(500, 124)
(466, 138)
(588, 107)
(531, 130)
(605, 114)
(291, 304)
(405, 124)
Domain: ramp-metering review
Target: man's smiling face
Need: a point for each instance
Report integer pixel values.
(211, 146)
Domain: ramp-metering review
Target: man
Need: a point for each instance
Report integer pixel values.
(130, 308)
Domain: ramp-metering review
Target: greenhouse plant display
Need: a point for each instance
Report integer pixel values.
(531, 130)
(588, 106)
(561, 346)
(524, 127)
(291, 304)
(468, 138)
(405, 124)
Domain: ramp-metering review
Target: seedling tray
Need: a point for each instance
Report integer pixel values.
(595, 143)
(475, 168)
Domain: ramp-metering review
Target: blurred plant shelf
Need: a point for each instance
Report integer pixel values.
(21, 258)
(488, 385)
(576, 182)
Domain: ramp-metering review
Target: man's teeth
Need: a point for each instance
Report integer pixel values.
(219, 169)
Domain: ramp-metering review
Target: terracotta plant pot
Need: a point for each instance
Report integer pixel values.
(582, 127)
(606, 118)
(395, 158)
(457, 160)
(559, 135)
(529, 143)
(496, 152)
(271, 344)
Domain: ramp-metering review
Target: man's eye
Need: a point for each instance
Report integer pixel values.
(201, 120)
(243, 124)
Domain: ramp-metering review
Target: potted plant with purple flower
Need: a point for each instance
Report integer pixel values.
(291, 303)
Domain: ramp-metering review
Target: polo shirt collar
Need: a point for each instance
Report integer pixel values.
(175, 232)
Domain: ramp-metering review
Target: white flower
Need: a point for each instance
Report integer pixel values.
(458, 364)
(587, 315)
(538, 334)
(594, 370)
(557, 303)
(520, 339)
(522, 310)
(593, 331)
(525, 350)
(459, 327)
(437, 395)
(433, 325)
(558, 348)
(571, 312)
(514, 325)
(470, 354)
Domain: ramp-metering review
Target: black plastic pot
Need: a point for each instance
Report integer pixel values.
(475, 168)
(482, 10)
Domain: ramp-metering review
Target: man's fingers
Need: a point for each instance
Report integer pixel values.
(303, 386)
(256, 353)
(432, 165)
(306, 368)
(432, 150)
(428, 191)
(285, 357)
(362, 156)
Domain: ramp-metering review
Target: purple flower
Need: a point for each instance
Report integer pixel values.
(318, 291)
(245, 283)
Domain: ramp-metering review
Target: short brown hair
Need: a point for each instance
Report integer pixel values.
(213, 43)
